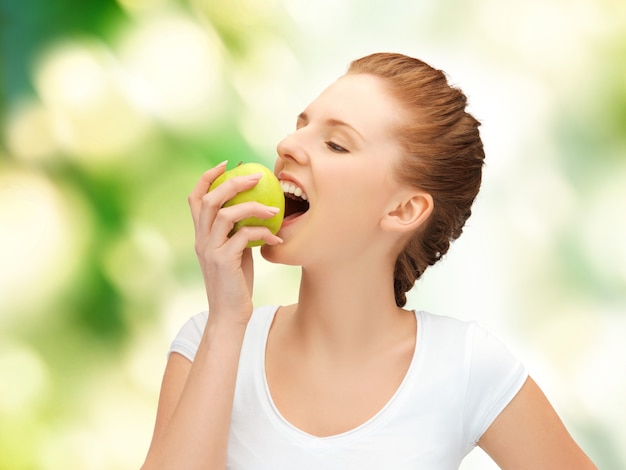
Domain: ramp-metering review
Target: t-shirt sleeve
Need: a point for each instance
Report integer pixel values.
(495, 376)
(187, 340)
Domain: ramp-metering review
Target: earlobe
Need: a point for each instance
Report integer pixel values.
(409, 214)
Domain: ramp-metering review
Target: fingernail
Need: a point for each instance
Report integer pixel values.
(255, 176)
(272, 210)
(222, 164)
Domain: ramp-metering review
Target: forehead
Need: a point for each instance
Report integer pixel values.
(360, 100)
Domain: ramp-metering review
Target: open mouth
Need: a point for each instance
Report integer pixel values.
(296, 200)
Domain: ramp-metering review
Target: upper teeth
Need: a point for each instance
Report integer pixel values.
(291, 188)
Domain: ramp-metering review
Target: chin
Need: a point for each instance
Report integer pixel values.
(278, 255)
(271, 254)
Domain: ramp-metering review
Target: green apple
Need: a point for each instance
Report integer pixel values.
(267, 191)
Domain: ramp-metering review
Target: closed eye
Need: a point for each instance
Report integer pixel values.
(336, 148)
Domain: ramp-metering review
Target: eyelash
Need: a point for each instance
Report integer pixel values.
(336, 148)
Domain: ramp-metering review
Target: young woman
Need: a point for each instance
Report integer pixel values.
(386, 163)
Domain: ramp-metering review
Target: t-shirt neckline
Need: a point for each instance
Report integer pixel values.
(294, 433)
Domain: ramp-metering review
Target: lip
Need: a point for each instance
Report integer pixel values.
(289, 221)
(284, 176)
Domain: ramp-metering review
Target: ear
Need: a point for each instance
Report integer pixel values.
(409, 213)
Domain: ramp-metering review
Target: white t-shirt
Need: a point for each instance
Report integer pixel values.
(459, 380)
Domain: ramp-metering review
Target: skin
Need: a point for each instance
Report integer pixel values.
(346, 326)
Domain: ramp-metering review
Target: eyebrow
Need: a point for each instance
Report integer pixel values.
(332, 123)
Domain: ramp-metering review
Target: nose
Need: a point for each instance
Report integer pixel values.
(291, 148)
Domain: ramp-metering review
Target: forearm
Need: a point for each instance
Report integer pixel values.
(196, 434)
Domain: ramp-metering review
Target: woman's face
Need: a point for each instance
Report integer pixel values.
(341, 157)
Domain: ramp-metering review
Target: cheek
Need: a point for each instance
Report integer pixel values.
(356, 200)
(373, 188)
(356, 190)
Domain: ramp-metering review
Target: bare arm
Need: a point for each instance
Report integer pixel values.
(195, 404)
(528, 434)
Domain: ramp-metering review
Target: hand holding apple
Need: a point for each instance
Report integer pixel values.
(267, 191)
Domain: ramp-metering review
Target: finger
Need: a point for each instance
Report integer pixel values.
(233, 186)
(250, 233)
(228, 216)
(213, 201)
(203, 184)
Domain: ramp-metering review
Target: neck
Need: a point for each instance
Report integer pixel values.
(347, 308)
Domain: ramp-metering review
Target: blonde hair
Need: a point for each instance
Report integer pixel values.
(444, 156)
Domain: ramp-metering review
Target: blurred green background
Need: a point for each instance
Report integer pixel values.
(111, 110)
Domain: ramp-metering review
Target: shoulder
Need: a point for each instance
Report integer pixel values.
(441, 330)
(463, 350)
(475, 342)
(466, 356)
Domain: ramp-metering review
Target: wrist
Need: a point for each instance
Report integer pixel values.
(226, 325)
